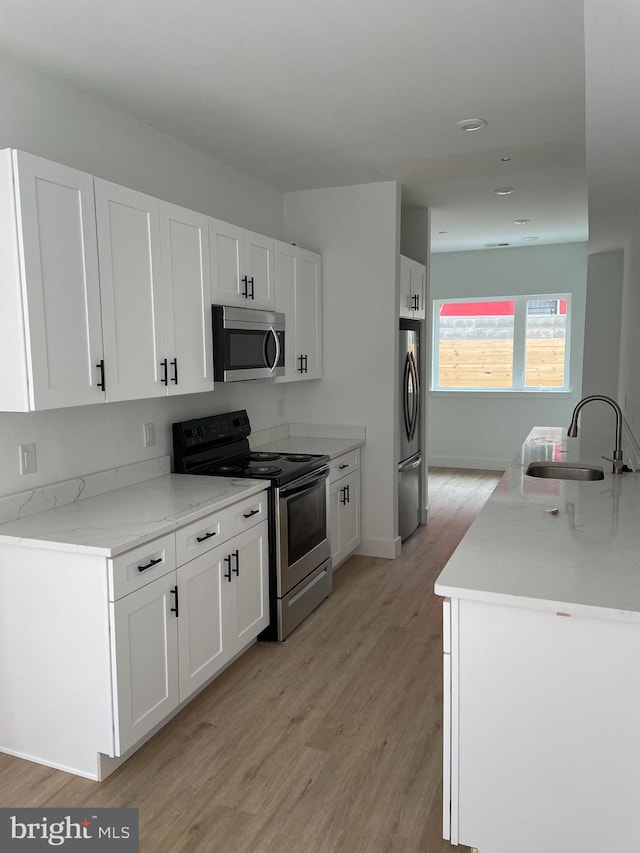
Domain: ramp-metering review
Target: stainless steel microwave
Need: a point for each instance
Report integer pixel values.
(247, 343)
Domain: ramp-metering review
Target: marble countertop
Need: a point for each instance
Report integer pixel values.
(558, 545)
(118, 520)
(331, 447)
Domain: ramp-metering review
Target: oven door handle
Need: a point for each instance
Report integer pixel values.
(276, 339)
(305, 484)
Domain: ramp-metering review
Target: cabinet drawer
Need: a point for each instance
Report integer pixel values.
(136, 568)
(247, 513)
(344, 464)
(202, 536)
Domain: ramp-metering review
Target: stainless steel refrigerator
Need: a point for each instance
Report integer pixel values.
(410, 461)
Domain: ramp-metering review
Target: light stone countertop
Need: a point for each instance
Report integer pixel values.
(118, 520)
(331, 447)
(582, 560)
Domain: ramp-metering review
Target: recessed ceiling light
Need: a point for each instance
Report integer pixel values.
(504, 190)
(521, 221)
(471, 124)
(529, 239)
(505, 159)
(496, 245)
(443, 232)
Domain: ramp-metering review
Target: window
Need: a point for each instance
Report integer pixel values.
(515, 343)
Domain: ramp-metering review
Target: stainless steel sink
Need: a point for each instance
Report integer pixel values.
(565, 471)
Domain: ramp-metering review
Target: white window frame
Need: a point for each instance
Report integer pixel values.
(519, 346)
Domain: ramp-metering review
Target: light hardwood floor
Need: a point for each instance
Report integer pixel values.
(327, 743)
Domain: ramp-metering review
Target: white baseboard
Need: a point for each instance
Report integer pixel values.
(465, 462)
(387, 548)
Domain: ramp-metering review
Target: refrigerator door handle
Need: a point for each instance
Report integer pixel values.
(410, 464)
(416, 396)
(405, 401)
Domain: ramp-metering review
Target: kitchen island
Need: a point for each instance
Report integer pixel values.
(541, 647)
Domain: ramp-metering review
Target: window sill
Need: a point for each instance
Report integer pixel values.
(495, 392)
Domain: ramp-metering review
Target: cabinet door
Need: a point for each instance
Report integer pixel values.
(344, 510)
(61, 293)
(226, 243)
(418, 281)
(308, 323)
(186, 282)
(259, 269)
(249, 588)
(145, 650)
(131, 289)
(200, 627)
(350, 514)
(406, 305)
(335, 497)
(286, 265)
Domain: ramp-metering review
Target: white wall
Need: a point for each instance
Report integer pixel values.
(415, 234)
(357, 230)
(46, 117)
(602, 328)
(483, 430)
(629, 388)
(51, 119)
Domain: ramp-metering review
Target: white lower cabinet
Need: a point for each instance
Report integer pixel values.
(113, 647)
(173, 635)
(145, 654)
(344, 506)
(223, 605)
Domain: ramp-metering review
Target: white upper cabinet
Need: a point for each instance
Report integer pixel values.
(50, 327)
(299, 297)
(412, 288)
(186, 281)
(156, 297)
(128, 225)
(242, 266)
(259, 270)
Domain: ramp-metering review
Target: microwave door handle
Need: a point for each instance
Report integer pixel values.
(276, 339)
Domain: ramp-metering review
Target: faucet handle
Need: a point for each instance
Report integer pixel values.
(617, 467)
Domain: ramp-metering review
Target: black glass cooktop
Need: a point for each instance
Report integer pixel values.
(218, 446)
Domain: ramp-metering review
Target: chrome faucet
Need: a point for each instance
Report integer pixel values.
(618, 465)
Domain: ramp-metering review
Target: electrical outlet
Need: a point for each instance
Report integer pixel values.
(149, 435)
(27, 458)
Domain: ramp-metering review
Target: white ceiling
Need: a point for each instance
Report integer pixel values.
(313, 93)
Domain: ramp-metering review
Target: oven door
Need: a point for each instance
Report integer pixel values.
(302, 535)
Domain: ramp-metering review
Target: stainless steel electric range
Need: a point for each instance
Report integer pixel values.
(300, 575)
